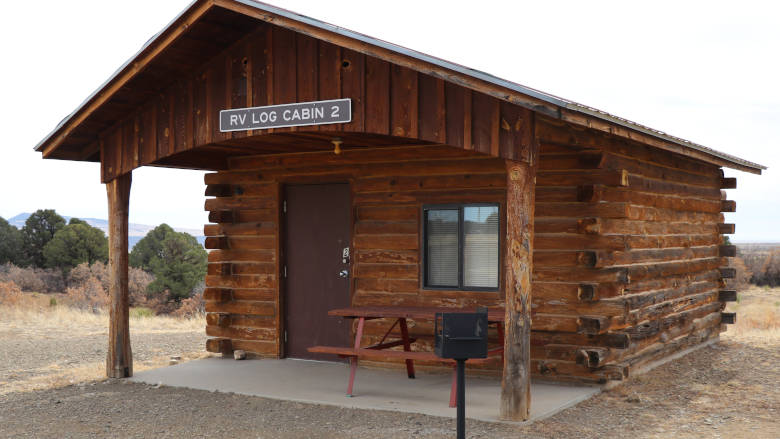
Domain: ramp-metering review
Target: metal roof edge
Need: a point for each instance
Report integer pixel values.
(477, 74)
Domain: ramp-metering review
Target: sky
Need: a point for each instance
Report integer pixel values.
(704, 71)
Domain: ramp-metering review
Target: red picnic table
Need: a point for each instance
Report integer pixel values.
(382, 350)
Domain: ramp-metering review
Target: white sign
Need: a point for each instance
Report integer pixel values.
(286, 115)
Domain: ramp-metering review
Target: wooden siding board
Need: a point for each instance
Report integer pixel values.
(148, 139)
(306, 68)
(329, 81)
(200, 127)
(403, 101)
(432, 109)
(217, 96)
(238, 75)
(353, 87)
(485, 124)
(377, 96)
(285, 69)
(129, 147)
(258, 60)
(180, 115)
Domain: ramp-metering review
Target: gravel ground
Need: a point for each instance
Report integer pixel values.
(730, 390)
(40, 350)
(22, 359)
(727, 390)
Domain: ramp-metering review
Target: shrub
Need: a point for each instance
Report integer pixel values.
(192, 306)
(768, 273)
(33, 279)
(10, 294)
(742, 279)
(141, 312)
(138, 280)
(138, 284)
(89, 295)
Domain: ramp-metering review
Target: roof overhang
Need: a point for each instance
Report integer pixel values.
(552, 106)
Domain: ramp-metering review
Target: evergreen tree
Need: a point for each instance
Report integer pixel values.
(149, 247)
(176, 259)
(10, 243)
(38, 230)
(76, 243)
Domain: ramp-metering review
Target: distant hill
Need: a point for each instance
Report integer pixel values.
(135, 231)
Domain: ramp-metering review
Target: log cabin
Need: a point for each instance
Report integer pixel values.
(427, 184)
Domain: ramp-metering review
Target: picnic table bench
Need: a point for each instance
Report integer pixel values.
(382, 350)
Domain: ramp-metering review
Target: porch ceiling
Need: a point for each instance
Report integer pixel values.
(215, 156)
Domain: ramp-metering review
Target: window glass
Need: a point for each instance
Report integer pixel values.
(480, 246)
(442, 248)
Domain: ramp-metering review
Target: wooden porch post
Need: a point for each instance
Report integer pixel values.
(119, 361)
(516, 380)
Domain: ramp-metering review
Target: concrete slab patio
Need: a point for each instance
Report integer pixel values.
(325, 383)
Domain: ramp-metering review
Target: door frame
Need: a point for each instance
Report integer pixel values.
(282, 250)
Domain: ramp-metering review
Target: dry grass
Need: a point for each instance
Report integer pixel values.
(53, 312)
(40, 318)
(78, 322)
(758, 314)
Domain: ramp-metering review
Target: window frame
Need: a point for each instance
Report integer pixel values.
(460, 207)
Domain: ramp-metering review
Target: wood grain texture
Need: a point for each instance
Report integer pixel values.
(119, 359)
(518, 266)
(275, 66)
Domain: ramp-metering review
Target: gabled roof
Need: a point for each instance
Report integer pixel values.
(536, 100)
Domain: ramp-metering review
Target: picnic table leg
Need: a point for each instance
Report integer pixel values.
(353, 360)
(407, 347)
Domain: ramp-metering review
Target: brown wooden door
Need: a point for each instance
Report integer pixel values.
(318, 221)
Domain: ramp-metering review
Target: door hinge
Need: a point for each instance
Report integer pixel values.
(284, 206)
(285, 336)
(284, 274)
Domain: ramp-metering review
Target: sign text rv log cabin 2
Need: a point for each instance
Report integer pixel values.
(286, 115)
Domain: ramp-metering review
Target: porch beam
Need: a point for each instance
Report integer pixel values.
(516, 380)
(119, 361)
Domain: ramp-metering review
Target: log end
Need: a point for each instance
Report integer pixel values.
(219, 295)
(586, 292)
(728, 251)
(726, 229)
(221, 216)
(589, 226)
(727, 272)
(219, 346)
(728, 183)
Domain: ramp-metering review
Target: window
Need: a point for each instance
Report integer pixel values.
(461, 246)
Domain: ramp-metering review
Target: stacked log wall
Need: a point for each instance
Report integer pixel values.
(628, 248)
(627, 245)
(389, 187)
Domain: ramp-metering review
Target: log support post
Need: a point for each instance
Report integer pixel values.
(119, 361)
(516, 380)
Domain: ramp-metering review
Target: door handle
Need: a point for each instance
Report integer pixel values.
(343, 274)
